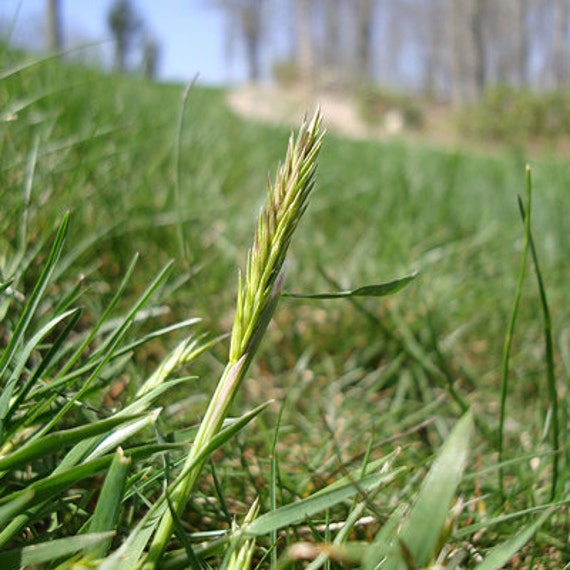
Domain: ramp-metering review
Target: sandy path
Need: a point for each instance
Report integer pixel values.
(277, 106)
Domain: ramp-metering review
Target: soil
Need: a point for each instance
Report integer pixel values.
(279, 106)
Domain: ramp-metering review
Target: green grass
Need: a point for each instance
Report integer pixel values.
(365, 391)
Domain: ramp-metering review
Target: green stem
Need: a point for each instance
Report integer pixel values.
(509, 335)
(257, 299)
(549, 358)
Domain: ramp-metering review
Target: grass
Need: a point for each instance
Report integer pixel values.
(126, 215)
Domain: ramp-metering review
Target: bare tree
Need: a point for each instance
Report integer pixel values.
(468, 23)
(250, 15)
(420, 29)
(522, 51)
(124, 25)
(150, 56)
(478, 25)
(54, 26)
(364, 26)
(331, 44)
(447, 48)
(560, 44)
(245, 20)
(305, 53)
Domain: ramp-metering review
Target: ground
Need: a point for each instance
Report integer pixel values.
(276, 105)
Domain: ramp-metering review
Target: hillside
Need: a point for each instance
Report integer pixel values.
(149, 178)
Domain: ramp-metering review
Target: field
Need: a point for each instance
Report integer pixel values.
(127, 210)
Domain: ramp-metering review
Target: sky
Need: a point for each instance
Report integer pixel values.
(190, 33)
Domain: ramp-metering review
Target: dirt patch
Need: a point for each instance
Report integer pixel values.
(274, 105)
(287, 107)
(279, 106)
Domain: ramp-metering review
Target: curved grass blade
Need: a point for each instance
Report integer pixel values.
(548, 348)
(47, 551)
(5, 285)
(108, 506)
(59, 440)
(109, 348)
(498, 556)
(377, 290)
(36, 296)
(509, 337)
(131, 551)
(7, 406)
(15, 506)
(45, 489)
(122, 433)
(423, 529)
(427, 517)
(294, 513)
(384, 539)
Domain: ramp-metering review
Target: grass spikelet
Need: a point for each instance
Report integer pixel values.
(256, 300)
(286, 203)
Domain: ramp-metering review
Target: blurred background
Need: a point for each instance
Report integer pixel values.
(437, 48)
(404, 63)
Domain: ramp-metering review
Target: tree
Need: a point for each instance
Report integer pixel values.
(251, 21)
(54, 26)
(522, 46)
(364, 25)
(469, 24)
(304, 41)
(151, 53)
(246, 17)
(124, 25)
(560, 44)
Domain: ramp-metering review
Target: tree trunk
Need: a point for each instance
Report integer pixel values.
(252, 28)
(304, 51)
(559, 48)
(54, 26)
(522, 47)
(364, 21)
(436, 64)
(331, 41)
(458, 52)
(467, 23)
(479, 69)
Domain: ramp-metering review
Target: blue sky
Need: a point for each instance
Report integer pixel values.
(190, 32)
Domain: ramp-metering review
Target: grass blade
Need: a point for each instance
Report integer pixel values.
(422, 531)
(15, 506)
(548, 346)
(294, 513)
(58, 440)
(36, 296)
(427, 517)
(132, 549)
(377, 290)
(9, 404)
(120, 434)
(45, 489)
(509, 337)
(107, 509)
(501, 554)
(48, 551)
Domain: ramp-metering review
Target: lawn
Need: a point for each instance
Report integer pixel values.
(372, 429)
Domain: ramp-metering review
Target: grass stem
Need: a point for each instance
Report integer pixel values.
(257, 298)
(510, 331)
(549, 352)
